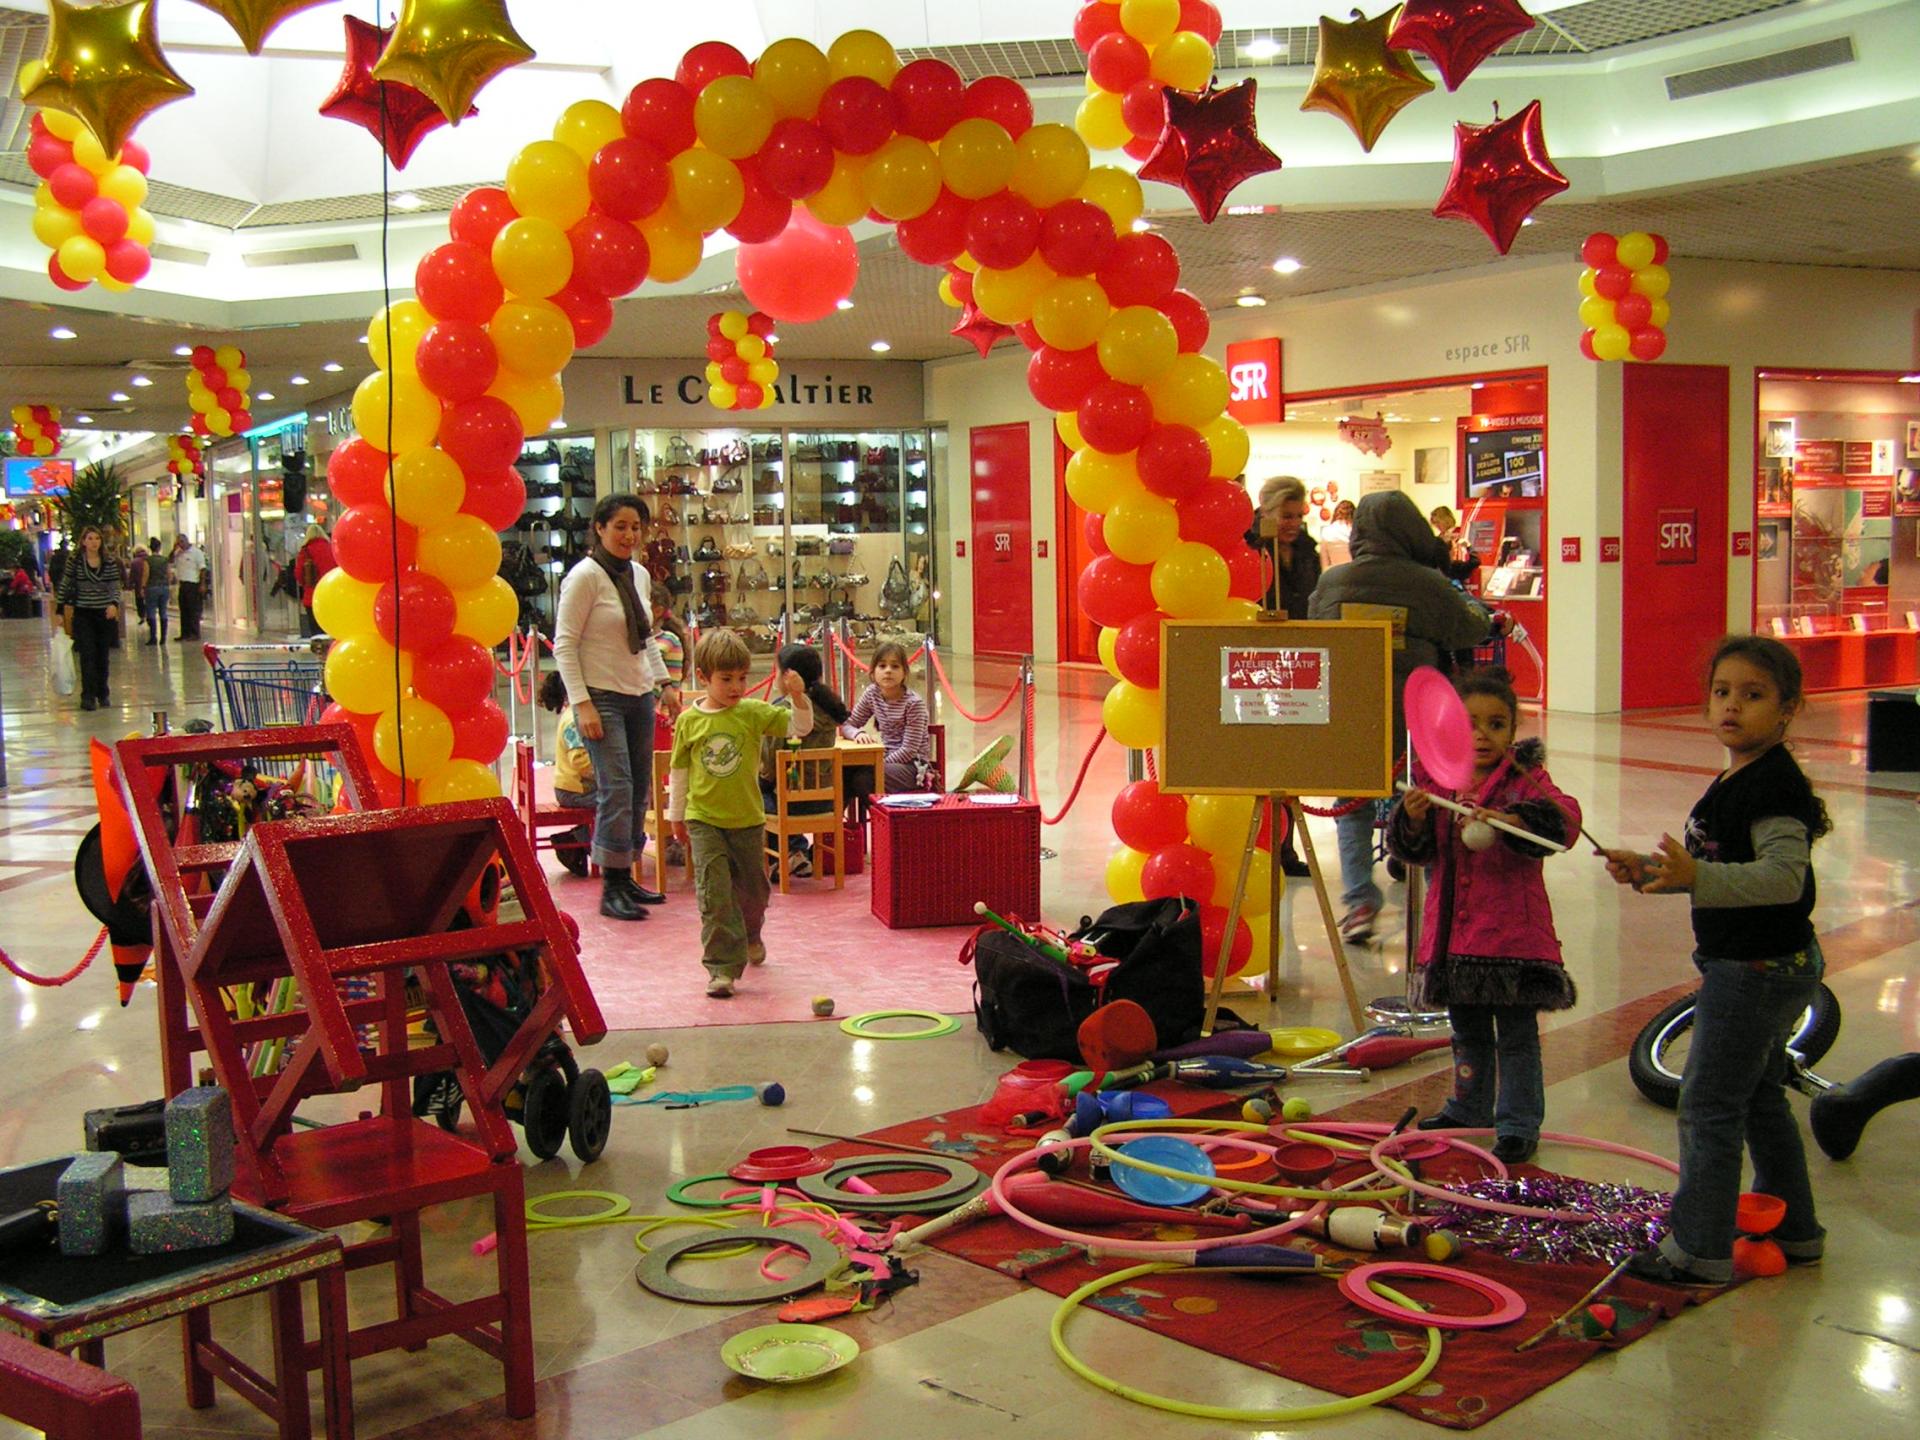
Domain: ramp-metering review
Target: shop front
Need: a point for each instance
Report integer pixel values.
(258, 499)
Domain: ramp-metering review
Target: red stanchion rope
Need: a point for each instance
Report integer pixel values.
(947, 685)
(1153, 766)
(1033, 767)
(1334, 812)
(765, 686)
(49, 981)
(859, 664)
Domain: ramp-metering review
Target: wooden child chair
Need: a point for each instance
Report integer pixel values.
(808, 800)
(655, 824)
(537, 817)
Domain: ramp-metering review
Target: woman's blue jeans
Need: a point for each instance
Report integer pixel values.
(622, 775)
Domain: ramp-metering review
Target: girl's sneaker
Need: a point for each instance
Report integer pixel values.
(756, 952)
(719, 988)
(800, 865)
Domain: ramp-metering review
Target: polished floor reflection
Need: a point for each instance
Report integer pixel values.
(1815, 1354)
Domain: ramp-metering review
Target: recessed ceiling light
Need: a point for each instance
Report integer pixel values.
(84, 419)
(1433, 419)
(363, 339)
(297, 379)
(773, 339)
(880, 347)
(1251, 302)
(407, 200)
(183, 349)
(333, 367)
(1527, 221)
(264, 395)
(843, 304)
(559, 424)
(1286, 265)
(1142, 225)
(61, 332)
(1262, 47)
(141, 382)
(120, 395)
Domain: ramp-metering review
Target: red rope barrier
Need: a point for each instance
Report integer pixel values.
(947, 685)
(49, 981)
(1334, 812)
(859, 664)
(1153, 768)
(1033, 767)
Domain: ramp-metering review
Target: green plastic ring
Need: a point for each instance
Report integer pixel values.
(617, 1205)
(713, 1222)
(857, 1025)
(677, 1192)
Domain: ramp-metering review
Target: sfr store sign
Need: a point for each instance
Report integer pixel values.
(1677, 538)
(1253, 372)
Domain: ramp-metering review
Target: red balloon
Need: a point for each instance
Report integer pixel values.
(1202, 18)
(1115, 418)
(363, 543)
(1076, 237)
(938, 235)
(1093, 525)
(1136, 649)
(479, 215)
(396, 115)
(47, 152)
(456, 360)
(721, 349)
(857, 114)
(389, 789)
(481, 434)
(419, 611)
(1632, 310)
(803, 273)
(797, 160)
(1002, 100)
(1142, 270)
(627, 179)
(763, 213)
(661, 113)
(1586, 344)
(213, 377)
(1027, 335)
(1190, 319)
(1140, 147)
(961, 283)
(455, 673)
(1117, 62)
(456, 282)
(1093, 21)
(1112, 592)
(1647, 343)
(1660, 250)
(1612, 281)
(1209, 146)
(733, 370)
(1144, 108)
(1062, 379)
(707, 62)
(931, 98)
(1600, 249)
(498, 497)
(73, 185)
(133, 153)
(67, 282)
(1174, 460)
(609, 256)
(242, 420)
(479, 733)
(589, 310)
(338, 714)
(750, 394)
(105, 220)
(231, 399)
(1213, 929)
(1458, 34)
(761, 325)
(1216, 513)
(1145, 819)
(1003, 230)
(202, 357)
(128, 262)
(197, 422)
(1178, 869)
(1247, 572)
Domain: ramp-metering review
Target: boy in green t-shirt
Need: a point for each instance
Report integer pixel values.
(715, 805)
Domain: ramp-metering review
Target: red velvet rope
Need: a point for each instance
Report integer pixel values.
(1033, 768)
(947, 685)
(49, 981)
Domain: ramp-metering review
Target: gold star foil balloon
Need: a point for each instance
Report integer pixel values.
(449, 49)
(254, 20)
(1360, 78)
(103, 66)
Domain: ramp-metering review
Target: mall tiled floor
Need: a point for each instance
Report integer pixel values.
(1832, 1351)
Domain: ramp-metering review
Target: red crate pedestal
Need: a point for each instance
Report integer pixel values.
(932, 864)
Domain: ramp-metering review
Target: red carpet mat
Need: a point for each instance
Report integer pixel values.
(1302, 1328)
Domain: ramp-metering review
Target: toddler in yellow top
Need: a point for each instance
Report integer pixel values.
(715, 804)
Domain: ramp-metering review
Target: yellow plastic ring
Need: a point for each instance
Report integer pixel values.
(617, 1207)
(710, 1221)
(860, 1026)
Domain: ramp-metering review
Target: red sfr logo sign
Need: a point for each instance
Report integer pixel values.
(1253, 372)
(1677, 537)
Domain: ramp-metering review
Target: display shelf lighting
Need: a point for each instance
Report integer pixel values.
(183, 350)
(121, 396)
(141, 382)
(333, 367)
(1286, 265)
(880, 347)
(61, 332)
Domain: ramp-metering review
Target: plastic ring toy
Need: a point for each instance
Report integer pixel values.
(677, 1192)
(962, 1183)
(860, 1026)
(1357, 1286)
(824, 1260)
(1121, 1130)
(617, 1206)
(712, 1222)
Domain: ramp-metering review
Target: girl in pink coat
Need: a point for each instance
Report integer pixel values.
(1487, 949)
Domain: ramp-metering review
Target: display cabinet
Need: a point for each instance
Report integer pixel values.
(556, 528)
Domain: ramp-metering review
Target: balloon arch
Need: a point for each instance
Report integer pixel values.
(784, 153)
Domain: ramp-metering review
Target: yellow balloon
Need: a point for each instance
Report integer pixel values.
(1612, 342)
(1117, 192)
(460, 780)
(229, 357)
(548, 181)
(733, 116)
(399, 401)
(90, 154)
(1662, 312)
(1133, 715)
(714, 373)
(140, 228)
(707, 188)
(794, 75)
(62, 125)
(82, 257)
(360, 674)
(1138, 344)
(1010, 295)
(1595, 311)
(219, 420)
(967, 263)
(1072, 312)
(1149, 21)
(1183, 60)
(1190, 391)
(1123, 875)
(485, 614)
(425, 487)
(407, 320)
(1226, 874)
(200, 400)
(1261, 927)
(763, 371)
(947, 297)
(1587, 278)
(723, 394)
(1067, 426)
(1141, 528)
(1100, 123)
(538, 400)
(903, 178)
(1241, 612)
(532, 257)
(861, 52)
(1098, 481)
(54, 224)
(22, 414)
(1105, 643)
(674, 247)
(463, 552)
(750, 348)
(976, 158)
(733, 325)
(343, 606)
(1218, 823)
(843, 199)
(124, 185)
(586, 125)
(427, 735)
(1050, 165)
(1230, 445)
(239, 379)
(532, 337)
(1653, 281)
(1635, 250)
(1190, 580)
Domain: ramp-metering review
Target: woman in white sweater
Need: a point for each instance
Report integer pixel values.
(605, 647)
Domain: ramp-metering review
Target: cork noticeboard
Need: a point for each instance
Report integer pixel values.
(1280, 707)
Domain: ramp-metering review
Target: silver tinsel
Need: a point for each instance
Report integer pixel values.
(1628, 1219)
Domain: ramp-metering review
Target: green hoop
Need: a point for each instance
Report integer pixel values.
(677, 1192)
(858, 1026)
(617, 1206)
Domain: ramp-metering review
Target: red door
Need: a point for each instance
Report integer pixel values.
(1674, 550)
(1079, 636)
(1002, 540)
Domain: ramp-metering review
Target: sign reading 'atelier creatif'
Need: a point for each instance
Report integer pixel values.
(1274, 687)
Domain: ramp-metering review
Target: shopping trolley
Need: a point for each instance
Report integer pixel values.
(259, 687)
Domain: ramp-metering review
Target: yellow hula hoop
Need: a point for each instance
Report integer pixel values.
(1097, 1143)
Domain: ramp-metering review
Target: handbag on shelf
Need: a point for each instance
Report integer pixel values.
(678, 452)
(766, 514)
(840, 545)
(669, 514)
(739, 550)
(710, 616)
(708, 549)
(659, 559)
(729, 482)
(840, 607)
(776, 549)
(855, 579)
(810, 454)
(753, 575)
(715, 580)
(896, 594)
(760, 640)
(679, 583)
(809, 545)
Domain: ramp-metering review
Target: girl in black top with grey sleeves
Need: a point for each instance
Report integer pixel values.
(90, 610)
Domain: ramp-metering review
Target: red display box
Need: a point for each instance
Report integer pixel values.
(932, 864)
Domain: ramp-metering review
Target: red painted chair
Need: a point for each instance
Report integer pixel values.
(538, 817)
(67, 1398)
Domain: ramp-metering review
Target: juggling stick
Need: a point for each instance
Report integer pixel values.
(1259, 1258)
(1064, 1204)
(1574, 1309)
(1383, 1052)
(1472, 814)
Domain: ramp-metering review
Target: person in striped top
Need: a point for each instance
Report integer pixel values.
(902, 717)
(90, 612)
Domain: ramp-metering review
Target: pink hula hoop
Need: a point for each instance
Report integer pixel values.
(1508, 1306)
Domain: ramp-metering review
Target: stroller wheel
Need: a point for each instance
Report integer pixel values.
(589, 1115)
(543, 1115)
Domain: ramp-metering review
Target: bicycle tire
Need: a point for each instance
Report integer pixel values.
(1813, 1036)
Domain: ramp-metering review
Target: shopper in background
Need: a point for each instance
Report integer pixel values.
(310, 566)
(159, 588)
(1461, 563)
(1336, 537)
(606, 651)
(1292, 559)
(137, 582)
(90, 612)
(57, 567)
(190, 569)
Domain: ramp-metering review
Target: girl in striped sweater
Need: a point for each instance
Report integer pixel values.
(902, 717)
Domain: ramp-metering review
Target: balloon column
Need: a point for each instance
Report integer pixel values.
(1624, 296)
(740, 364)
(1136, 51)
(36, 430)
(88, 208)
(217, 382)
(184, 457)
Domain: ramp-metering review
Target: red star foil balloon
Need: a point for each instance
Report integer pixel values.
(1209, 146)
(449, 49)
(1361, 78)
(356, 99)
(978, 331)
(1455, 34)
(254, 20)
(103, 66)
(1501, 172)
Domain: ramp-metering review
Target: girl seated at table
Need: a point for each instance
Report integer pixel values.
(829, 713)
(573, 785)
(902, 719)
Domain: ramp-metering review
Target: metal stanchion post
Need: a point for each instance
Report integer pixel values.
(1136, 765)
(929, 684)
(1026, 728)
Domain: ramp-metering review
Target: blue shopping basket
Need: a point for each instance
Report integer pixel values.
(262, 687)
